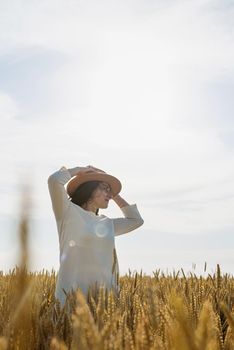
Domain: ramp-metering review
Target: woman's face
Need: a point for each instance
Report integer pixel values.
(102, 195)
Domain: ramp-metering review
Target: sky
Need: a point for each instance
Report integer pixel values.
(141, 89)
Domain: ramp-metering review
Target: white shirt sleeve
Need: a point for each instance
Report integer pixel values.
(58, 193)
(130, 222)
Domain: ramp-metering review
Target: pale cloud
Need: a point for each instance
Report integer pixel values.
(8, 108)
(168, 260)
(155, 67)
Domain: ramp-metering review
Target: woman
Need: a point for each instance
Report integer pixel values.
(86, 239)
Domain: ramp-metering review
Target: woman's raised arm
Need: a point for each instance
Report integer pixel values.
(58, 193)
(132, 219)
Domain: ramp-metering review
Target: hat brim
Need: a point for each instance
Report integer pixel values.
(79, 179)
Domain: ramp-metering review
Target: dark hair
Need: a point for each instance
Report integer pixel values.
(84, 192)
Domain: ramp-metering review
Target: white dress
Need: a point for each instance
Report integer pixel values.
(86, 240)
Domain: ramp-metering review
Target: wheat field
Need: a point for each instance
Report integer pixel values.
(163, 312)
(160, 312)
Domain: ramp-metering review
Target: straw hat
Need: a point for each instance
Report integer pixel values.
(93, 175)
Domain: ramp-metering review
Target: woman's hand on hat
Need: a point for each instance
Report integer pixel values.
(90, 167)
